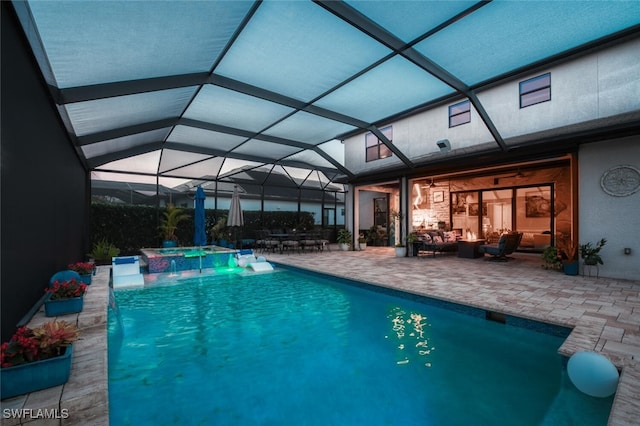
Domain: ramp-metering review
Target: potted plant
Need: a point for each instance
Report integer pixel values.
(373, 236)
(36, 359)
(85, 269)
(401, 250)
(362, 242)
(66, 297)
(590, 254)
(568, 255)
(412, 238)
(171, 218)
(103, 251)
(217, 231)
(550, 258)
(344, 239)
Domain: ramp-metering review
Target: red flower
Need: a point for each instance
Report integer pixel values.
(66, 289)
(22, 348)
(43, 342)
(83, 268)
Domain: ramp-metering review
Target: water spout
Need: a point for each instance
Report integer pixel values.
(173, 269)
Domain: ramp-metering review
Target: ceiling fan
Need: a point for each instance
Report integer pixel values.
(518, 175)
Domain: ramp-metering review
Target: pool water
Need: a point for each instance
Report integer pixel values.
(289, 348)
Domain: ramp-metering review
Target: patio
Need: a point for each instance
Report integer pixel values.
(604, 314)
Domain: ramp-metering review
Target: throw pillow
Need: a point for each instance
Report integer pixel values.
(427, 238)
(437, 239)
(449, 237)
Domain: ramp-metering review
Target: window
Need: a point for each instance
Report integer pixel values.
(459, 114)
(535, 90)
(375, 149)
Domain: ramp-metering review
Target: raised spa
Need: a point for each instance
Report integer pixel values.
(185, 258)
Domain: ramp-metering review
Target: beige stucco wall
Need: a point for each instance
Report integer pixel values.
(604, 216)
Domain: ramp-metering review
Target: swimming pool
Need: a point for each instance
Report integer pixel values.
(296, 348)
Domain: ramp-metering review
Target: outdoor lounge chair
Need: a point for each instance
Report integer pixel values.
(506, 245)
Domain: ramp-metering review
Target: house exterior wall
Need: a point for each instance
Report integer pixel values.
(594, 87)
(591, 91)
(604, 216)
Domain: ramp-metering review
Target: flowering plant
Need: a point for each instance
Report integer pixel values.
(83, 268)
(29, 345)
(66, 289)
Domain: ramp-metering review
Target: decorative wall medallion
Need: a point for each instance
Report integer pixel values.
(620, 181)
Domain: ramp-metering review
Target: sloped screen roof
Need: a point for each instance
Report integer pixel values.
(207, 89)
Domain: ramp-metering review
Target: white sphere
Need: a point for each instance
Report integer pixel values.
(261, 259)
(593, 374)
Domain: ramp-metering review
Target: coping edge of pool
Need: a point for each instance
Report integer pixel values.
(478, 312)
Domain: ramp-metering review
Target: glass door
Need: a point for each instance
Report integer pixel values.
(497, 214)
(465, 213)
(534, 217)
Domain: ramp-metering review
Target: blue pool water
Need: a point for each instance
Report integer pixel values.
(289, 348)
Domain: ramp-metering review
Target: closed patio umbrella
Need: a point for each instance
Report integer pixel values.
(200, 235)
(236, 217)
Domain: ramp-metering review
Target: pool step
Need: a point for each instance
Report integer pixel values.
(126, 272)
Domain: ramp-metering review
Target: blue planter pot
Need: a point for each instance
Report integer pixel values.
(35, 376)
(53, 308)
(570, 268)
(86, 279)
(169, 243)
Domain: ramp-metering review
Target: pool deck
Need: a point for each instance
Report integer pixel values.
(604, 314)
(84, 398)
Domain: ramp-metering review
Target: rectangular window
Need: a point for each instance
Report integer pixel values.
(535, 90)
(459, 114)
(374, 147)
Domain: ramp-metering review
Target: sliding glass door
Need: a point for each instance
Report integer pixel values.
(488, 213)
(499, 213)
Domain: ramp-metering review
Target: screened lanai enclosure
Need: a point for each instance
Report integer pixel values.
(166, 96)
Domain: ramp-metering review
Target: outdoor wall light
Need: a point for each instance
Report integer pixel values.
(627, 250)
(444, 145)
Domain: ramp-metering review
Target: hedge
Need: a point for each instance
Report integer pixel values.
(131, 227)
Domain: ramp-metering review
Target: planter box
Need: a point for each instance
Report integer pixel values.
(86, 279)
(35, 376)
(53, 308)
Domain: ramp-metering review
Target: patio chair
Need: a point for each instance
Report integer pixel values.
(506, 245)
(323, 240)
(291, 244)
(309, 242)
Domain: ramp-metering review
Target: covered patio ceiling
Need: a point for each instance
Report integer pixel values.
(186, 91)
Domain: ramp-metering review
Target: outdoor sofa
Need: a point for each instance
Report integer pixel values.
(436, 241)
